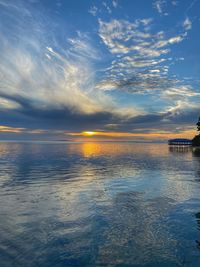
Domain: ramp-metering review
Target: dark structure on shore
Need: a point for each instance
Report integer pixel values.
(180, 142)
(187, 142)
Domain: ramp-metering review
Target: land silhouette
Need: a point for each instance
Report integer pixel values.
(196, 139)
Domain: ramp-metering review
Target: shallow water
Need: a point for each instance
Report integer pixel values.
(99, 204)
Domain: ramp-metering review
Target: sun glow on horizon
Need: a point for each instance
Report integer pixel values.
(88, 133)
(157, 135)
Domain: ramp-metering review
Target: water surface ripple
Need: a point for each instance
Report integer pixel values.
(99, 204)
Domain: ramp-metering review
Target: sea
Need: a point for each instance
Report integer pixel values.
(93, 204)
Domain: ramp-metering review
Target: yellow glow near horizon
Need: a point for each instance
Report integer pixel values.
(110, 135)
(88, 133)
(162, 135)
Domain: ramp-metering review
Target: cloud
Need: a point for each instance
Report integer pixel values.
(187, 24)
(93, 10)
(182, 114)
(115, 3)
(64, 118)
(103, 8)
(39, 75)
(50, 81)
(8, 104)
(123, 37)
(172, 40)
(180, 92)
(141, 63)
(48, 75)
(46, 84)
(107, 8)
(116, 33)
(175, 3)
(7, 129)
(159, 5)
(81, 45)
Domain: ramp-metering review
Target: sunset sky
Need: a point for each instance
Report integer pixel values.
(117, 69)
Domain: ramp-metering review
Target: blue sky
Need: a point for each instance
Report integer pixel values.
(104, 66)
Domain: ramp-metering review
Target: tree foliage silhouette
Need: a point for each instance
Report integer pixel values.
(196, 139)
(198, 125)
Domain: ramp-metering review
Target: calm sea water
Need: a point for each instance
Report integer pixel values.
(99, 204)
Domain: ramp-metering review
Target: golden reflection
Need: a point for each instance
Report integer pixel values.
(180, 149)
(92, 149)
(118, 149)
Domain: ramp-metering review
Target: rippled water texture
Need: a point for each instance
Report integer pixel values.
(91, 204)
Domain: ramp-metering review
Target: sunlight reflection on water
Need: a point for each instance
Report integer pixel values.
(98, 204)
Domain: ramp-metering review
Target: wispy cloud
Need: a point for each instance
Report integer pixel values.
(43, 80)
(160, 5)
(107, 8)
(115, 3)
(175, 2)
(192, 3)
(7, 129)
(44, 73)
(93, 10)
(141, 62)
(187, 24)
(81, 45)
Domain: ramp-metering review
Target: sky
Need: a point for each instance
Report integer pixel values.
(92, 70)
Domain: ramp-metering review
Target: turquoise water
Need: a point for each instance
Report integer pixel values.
(99, 204)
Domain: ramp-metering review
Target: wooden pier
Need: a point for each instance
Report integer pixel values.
(180, 142)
